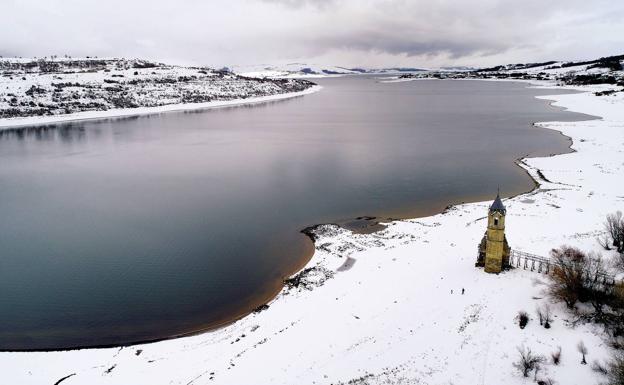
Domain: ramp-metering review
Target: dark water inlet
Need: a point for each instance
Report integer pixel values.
(134, 229)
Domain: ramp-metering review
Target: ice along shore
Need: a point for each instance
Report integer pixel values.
(387, 307)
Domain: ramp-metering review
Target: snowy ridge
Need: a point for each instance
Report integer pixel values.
(607, 70)
(126, 112)
(53, 90)
(387, 307)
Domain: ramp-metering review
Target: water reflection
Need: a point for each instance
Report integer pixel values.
(65, 132)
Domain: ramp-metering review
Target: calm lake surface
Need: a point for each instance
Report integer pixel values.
(119, 231)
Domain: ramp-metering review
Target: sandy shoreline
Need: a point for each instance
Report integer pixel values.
(381, 321)
(140, 111)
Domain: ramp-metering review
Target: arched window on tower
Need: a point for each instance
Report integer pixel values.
(495, 221)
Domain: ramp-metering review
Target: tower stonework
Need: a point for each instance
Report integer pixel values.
(494, 249)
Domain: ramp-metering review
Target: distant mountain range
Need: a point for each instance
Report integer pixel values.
(605, 70)
(315, 70)
(541, 70)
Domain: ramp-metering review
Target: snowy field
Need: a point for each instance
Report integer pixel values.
(387, 308)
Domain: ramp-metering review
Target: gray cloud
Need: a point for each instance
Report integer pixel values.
(341, 32)
(304, 3)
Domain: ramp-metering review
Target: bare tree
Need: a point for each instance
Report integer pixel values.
(527, 361)
(604, 241)
(593, 290)
(583, 350)
(566, 281)
(614, 225)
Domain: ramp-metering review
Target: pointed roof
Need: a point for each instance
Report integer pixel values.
(497, 205)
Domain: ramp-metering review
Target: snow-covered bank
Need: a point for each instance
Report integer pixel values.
(128, 112)
(380, 307)
(53, 90)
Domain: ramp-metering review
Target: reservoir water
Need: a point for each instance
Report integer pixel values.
(125, 230)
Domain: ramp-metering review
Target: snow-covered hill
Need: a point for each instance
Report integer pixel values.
(63, 87)
(607, 70)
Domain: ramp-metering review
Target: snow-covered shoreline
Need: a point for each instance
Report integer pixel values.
(387, 307)
(10, 123)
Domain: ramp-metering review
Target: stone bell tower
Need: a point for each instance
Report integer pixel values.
(493, 249)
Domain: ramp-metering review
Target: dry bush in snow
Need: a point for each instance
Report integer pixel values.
(598, 367)
(556, 356)
(583, 350)
(528, 361)
(566, 281)
(544, 313)
(578, 277)
(523, 319)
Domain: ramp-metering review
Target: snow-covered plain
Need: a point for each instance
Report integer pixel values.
(387, 308)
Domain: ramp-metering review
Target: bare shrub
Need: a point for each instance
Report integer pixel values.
(566, 281)
(544, 314)
(523, 319)
(598, 367)
(546, 381)
(536, 370)
(583, 350)
(540, 315)
(527, 361)
(556, 356)
(547, 312)
(578, 277)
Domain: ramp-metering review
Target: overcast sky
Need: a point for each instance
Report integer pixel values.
(371, 33)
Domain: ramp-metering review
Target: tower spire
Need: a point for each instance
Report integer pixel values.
(498, 205)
